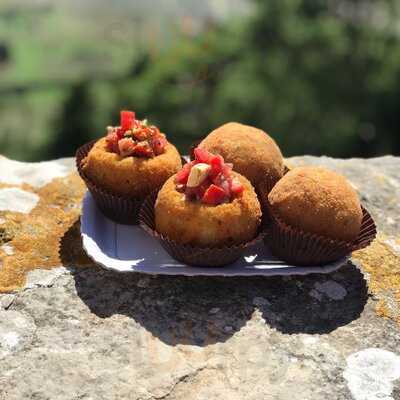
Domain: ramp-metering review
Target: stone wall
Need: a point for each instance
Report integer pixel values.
(71, 330)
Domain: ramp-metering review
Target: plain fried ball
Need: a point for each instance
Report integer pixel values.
(318, 201)
(252, 152)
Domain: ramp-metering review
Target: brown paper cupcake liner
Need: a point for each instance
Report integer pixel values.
(120, 209)
(188, 254)
(300, 248)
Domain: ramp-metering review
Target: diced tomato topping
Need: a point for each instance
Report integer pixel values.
(140, 134)
(182, 176)
(202, 188)
(227, 171)
(144, 140)
(201, 155)
(143, 149)
(120, 133)
(159, 142)
(219, 179)
(218, 186)
(112, 142)
(214, 195)
(236, 187)
(154, 130)
(226, 186)
(127, 118)
(217, 163)
(126, 147)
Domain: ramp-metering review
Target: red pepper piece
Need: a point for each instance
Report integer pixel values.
(214, 195)
(202, 155)
(182, 176)
(120, 133)
(159, 142)
(216, 163)
(127, 118)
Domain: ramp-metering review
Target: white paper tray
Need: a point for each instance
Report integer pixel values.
(124, 248)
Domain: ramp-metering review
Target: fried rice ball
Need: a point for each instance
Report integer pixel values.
(318, 201)
(252, 152)
(195, 223)
(130, 176)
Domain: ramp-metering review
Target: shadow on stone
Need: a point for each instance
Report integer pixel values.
(177, 310)
(316, 304)
(71, 252)
(206, 310)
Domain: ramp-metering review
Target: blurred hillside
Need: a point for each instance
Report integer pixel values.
(321, 76)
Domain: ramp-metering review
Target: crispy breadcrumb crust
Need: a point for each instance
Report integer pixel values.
(318, 201)
(130, 176)
(189, 222)
(253, 153)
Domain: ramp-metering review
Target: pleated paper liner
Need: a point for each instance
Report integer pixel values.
(300, 248)
(188, 254)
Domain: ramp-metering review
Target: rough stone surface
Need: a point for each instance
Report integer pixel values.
(71, 330)
(370, 374)
(34, 174)
(14, 199)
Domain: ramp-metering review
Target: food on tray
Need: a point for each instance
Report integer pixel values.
(133, 159)
(319, 201)
(207, 204)
(252, 152)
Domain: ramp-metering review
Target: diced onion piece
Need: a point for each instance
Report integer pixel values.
(198, 174)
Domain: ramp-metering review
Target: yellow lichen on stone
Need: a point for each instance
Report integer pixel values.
(382, 263)
(9, 226)
(47, 237)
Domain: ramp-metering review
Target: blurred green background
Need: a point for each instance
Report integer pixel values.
(321, 76)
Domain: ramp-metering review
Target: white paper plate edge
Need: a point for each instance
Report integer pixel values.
(95, 253)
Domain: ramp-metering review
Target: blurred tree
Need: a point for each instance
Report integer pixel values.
(321, 76)
(75, 125)
(4, 53)
(319, 81)
(322, 73)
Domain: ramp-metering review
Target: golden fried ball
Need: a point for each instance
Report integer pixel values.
(318, 201)
(130, 176)
(252, 152)
(189, 222)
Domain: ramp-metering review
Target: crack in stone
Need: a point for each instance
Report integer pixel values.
(181, 380)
